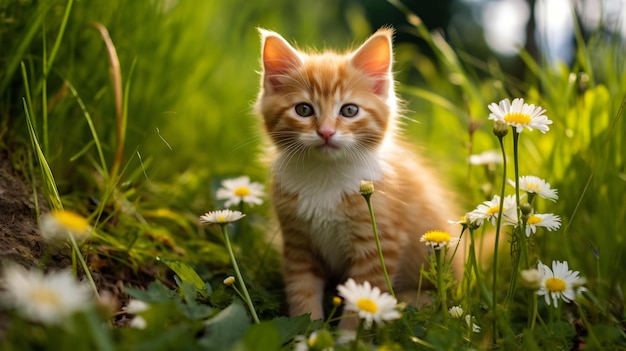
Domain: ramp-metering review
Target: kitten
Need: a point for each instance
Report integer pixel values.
(333, 121)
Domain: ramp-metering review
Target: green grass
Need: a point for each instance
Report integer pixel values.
(141, 153)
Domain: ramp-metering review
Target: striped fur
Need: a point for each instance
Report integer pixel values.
(321, 159)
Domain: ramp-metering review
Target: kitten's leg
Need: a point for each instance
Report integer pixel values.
(304, 282)
(366, 266)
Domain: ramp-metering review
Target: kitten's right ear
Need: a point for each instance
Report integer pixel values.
(278, 57)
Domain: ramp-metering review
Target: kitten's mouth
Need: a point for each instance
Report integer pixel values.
(327, 147)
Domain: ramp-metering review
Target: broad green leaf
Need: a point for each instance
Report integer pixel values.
(223, 330)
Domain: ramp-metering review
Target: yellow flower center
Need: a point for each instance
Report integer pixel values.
(45, 297)
(221, 218)
(517, 118)
(312, 340)
(532, 187)
(533, 219)
(437, 236)
(556, 284)
(71, 220)
(242, 191)
(367, 305)
(493, 210)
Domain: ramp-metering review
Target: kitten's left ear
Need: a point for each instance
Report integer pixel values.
(374, 58)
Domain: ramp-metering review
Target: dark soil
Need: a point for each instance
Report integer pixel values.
(20, 240)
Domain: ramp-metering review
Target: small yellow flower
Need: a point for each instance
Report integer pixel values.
(367, 187)
(336, 301)
(59, 225)
(230, 280)
(438, 239)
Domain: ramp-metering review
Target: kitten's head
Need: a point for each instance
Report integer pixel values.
(327, 104)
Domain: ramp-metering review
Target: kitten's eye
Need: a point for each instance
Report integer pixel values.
(349, 110)
(304, 110)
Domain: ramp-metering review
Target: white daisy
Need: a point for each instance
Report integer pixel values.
(548, 220)
(236, 190)
(486, 158)
(58, 225)
(456, 311)
(221, 217)
(536, 185)
(44, 298)
(370, 304)
(559, 283)
(488, 210)
(438, 239)
(520, 115)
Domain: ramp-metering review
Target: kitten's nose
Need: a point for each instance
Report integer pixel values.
(325, 133)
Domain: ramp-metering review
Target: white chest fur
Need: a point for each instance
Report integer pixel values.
(320, 186)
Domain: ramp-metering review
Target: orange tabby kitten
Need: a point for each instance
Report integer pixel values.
(333, 121)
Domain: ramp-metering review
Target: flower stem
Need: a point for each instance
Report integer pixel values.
(359, 331)
(533, 319)
(441, 288)
(76, 252)
(496, 244)
(474, 263)
(380, 251)
(238, 274)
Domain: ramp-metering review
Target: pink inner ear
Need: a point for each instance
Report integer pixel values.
(278, 58)
(374, 58)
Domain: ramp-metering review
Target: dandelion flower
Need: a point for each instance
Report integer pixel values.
(486, 158)
(221, 217)
(456, 311)
(438, 239)
(536, 185)
(549, 221)
(475, 327)
(488, 210)
(44, 298)
(236, 190)
(559, 283)
(520, 115)
(370, 304)
(58, 225)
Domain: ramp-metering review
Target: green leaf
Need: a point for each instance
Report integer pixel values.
(289, 327)
(264, 336)
(188, 274)
(226, 328)
(156, 292)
